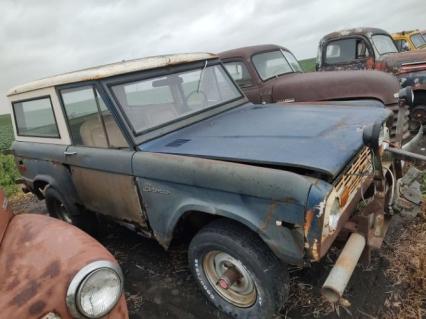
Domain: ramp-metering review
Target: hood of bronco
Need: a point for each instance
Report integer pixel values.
(320, 139)
(335, 85)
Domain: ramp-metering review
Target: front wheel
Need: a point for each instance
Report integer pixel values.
(237, 272)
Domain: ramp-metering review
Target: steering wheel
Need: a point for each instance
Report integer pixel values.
(204, 100)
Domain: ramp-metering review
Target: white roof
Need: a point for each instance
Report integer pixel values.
(108, 70)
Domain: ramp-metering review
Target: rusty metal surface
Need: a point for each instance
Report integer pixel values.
(36, 270)
(312, 86)
(115, 195)
(352, 32)
(335, 85)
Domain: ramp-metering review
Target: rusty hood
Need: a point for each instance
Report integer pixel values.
(304, 136)
(335, 85)
(395, 62)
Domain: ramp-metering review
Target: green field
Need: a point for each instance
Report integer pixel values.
(308, 65)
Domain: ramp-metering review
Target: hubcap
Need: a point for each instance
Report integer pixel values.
(230, 279)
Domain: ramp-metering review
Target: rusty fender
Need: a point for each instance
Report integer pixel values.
(36, 270)
(263, 199)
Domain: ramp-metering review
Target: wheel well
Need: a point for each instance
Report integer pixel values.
(192, 222)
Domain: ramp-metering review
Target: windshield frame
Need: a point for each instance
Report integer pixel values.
(277, 75)
(375, 46)
(167, 127)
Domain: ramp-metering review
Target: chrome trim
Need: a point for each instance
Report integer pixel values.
(78, 279)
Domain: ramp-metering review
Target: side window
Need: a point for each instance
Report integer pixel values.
(362, 51)
(341, 51)
(89, 120)
(239, 73)
(401, 45)
(35, 118)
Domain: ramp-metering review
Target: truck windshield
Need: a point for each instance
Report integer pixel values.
(384, 44)
(275, 63)
(418, 40)
(154, 102)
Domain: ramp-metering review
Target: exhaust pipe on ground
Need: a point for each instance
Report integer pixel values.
(339, 276)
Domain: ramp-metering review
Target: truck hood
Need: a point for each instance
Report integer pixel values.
(335, 85)
(404, 62)
(317, 138)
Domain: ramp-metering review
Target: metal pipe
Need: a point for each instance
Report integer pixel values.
(342, 271)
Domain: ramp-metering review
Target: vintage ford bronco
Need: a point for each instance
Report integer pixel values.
(169, 145)
(374, 49)
(52, 270)
(271, 73)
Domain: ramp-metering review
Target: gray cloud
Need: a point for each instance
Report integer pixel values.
(41, 38)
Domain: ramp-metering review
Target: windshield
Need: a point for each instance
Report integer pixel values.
(418, 40)
(293, 61)
(271, 64)
(157, 101)
(384, 44)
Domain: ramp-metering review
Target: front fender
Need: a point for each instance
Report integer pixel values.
(167, 203)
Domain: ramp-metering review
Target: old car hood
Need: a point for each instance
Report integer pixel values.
(335, 85)
(394, 61)
(317, 138)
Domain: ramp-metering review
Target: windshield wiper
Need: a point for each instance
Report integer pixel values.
(201, 76)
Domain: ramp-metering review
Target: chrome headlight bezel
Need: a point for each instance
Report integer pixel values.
(80, 277)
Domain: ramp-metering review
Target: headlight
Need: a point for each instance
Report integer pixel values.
(95, 290)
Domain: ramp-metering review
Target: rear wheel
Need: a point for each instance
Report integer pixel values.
(61, 209)
(237, 271)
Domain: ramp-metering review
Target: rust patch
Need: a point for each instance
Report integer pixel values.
(269, 215)
(52, 270)
(37, 308)
(25, 295)
(309, 217)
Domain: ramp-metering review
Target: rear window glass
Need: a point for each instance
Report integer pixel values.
(35, 118)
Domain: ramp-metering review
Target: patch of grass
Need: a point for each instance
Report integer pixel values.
(308, 65)
(6, 131)
(8, 174)
(8, 170)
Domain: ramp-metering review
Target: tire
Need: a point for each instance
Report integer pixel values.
(252, 257)
(61, 209)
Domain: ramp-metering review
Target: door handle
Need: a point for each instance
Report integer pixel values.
(66, 153)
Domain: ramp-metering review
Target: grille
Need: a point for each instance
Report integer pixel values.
(351, 180)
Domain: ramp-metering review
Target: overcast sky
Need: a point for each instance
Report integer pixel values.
(44, 37)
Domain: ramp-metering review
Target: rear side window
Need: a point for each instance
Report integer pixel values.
(35, 118)
(89, 120)
(341, 51)
(239, 73)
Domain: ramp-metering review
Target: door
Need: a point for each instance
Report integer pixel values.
(100, 157)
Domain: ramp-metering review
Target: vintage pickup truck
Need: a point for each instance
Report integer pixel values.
(169, 145)
(374, 49)
(52, 270)
(409, 40)
(271, 73)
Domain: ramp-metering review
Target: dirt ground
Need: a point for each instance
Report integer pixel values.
(159, 284)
